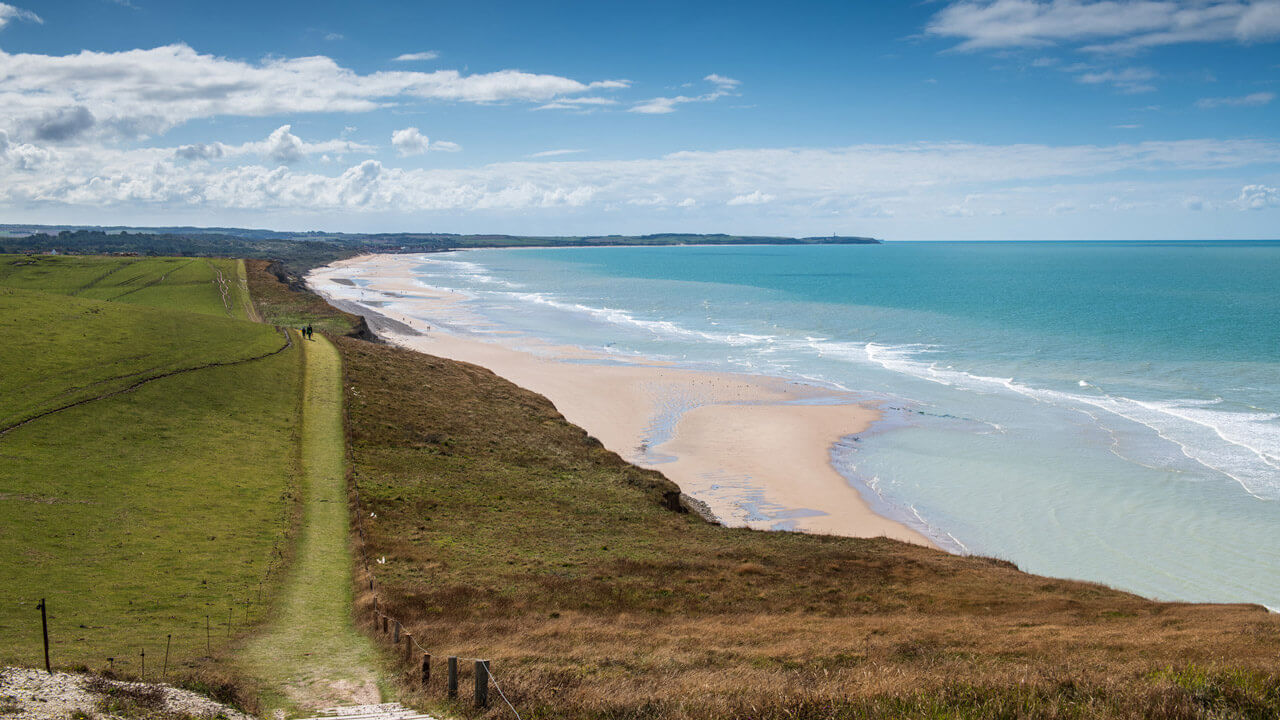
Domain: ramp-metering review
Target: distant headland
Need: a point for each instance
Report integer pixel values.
(305, 250)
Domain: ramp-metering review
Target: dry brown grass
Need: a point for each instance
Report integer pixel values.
(278, 304)
(511, 535)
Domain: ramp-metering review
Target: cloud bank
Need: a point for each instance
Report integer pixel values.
(96, 95)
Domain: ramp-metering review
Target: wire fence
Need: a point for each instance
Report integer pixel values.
(391, 626)
(182, 641)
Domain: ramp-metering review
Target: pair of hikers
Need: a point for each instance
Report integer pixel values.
(307, 332)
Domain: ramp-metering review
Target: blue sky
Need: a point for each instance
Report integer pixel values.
(987, 119)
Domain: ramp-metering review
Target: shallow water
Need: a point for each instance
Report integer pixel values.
(1104, 411)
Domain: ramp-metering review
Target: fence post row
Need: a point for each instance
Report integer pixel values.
(426, 669)
(453, 677)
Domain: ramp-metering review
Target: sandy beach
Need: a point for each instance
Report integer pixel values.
(747, 446)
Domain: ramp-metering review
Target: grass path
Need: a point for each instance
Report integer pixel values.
(310, 655)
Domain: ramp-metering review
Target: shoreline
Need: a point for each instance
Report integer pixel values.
(740, 444)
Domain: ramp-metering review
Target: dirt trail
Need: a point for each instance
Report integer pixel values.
(310, 655)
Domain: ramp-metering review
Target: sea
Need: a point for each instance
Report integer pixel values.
(1104, 411)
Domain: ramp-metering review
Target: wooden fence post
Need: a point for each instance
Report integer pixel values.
(482, 683)
(453, 677)
(408, 647)
(44, 627)
(396, 636)
(144, 664)
(426, 669)
(384, 624)
(168, 640)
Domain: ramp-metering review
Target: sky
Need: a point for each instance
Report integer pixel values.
(976, 119)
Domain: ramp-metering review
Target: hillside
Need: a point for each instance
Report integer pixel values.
(509, 534)
(148, 435)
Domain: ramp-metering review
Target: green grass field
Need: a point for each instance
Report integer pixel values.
(146, 512)
(199, 285)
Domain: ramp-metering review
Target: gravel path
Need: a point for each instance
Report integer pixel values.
(27, 694)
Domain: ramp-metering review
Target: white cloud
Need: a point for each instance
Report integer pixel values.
(22, 157)
(1258, 197)
(1109, 25)
(578, 103)
(663, 105)
(1259, 23)
(554, 153)
(9, 13)
(145, 92)
(281, 146)
(722, 81)
(754, 198)
(1129, 80)
(911, 181)
(417, 56)
(411, 141)
(1251, 100)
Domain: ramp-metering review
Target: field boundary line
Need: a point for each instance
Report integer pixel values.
(150, 283)
(288, 343)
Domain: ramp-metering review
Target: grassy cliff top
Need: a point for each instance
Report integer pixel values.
(509, 534)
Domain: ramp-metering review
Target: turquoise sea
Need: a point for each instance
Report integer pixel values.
(1108, 411)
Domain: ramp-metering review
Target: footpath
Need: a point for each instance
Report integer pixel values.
(310, 657)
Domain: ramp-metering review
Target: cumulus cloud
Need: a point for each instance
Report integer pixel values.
(411, 141)
(417, 56)
(9, 13)
(724, 87)
(1251, 100)
(22, 157)
(143, 92)
(281, 146)
(1258, 197)
(1107, 25)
